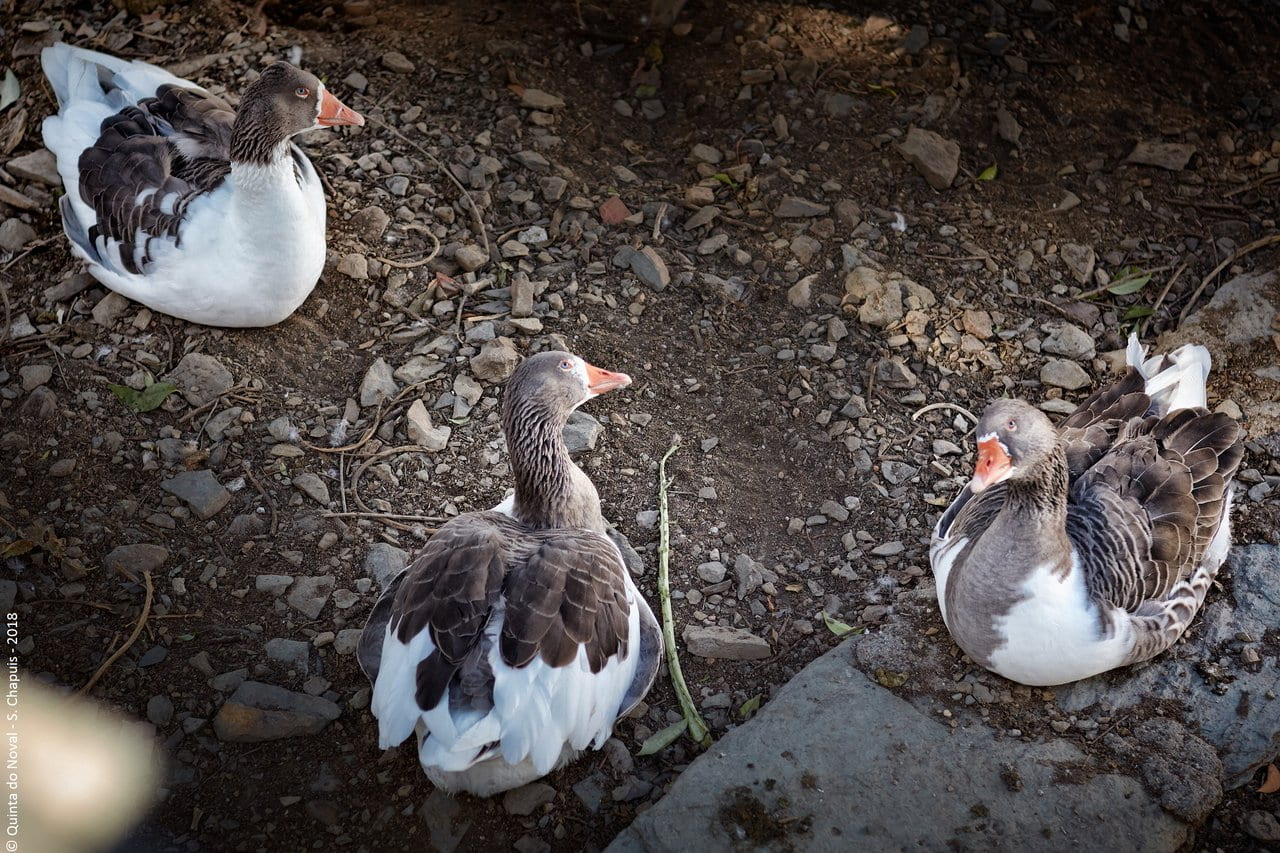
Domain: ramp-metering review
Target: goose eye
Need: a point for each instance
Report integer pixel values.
(1011, 425)
(302, 91)
(566, 365)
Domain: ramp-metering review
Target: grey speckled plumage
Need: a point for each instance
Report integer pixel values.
(1127, 491)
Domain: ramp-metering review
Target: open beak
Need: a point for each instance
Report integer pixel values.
(333, 112)
(993, 465)
(602, 381)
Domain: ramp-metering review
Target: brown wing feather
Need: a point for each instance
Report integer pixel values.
(149, 163)
(1089, 431)
(1142, 516)
(570, 592)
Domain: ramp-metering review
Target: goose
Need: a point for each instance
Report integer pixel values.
(1080, 549)
(176, 200)
(516, 637)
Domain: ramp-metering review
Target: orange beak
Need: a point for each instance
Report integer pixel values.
(333, 112)
(993, 464)
(602, 381)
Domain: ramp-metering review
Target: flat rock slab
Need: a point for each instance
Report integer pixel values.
(258, 712)
(836, 762)
(1234, 714)
(201, 378)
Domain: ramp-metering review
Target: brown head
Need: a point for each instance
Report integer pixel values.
(1014, 439)
(283, 102)
(555, 383)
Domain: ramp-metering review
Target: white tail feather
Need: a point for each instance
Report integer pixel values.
(1173, 381)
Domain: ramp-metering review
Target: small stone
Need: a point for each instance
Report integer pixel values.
(14, 234)
(1061, 373)
(294, 654)
(934, 157)
(378, 384)
(394, 60)
(1172, 156)
(347, 641)
(273, 585)
(1262, 826)
(201, 378)
(839, 104)
(36, 166)
(536, 99)
(370, 224)
(109, 309)
(650, 268)
(794, 207)
(33, 376)
(581, 433)
(258, 712)
(383, 562)
(712, 572)
(1007, 127)
(496, 360)
(313, 487)
(133, 560)
(714, 641)
(888, 549)
(706, 153)
(199, 490)
(521, 296)
(977, 323)
(524, 800)
(800, 295)
(805, 248)
(1069, 341)
(356, 81)
(422, 432)
(354, 265)
(160, 711)
(833, 510)
(470, 258)
(613, 211)
(893, 373)
(309, 594)
(532, 160)
(1079, 259)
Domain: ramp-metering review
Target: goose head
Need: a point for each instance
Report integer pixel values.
(1014, 438)
(283, 102)
(555, 383)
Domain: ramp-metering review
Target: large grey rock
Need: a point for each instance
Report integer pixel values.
(378, 384)
(1233, 714)
(1235, 325)
(650, 268)
(309, 594)
(714, 641)
(259, 712)
(201, 378)
(581, 433)
(835, 762)
(200, 491)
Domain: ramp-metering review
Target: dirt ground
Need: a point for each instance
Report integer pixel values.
(812, 101)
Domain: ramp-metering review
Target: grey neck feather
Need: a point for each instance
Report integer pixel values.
(256, 139)
(551, 491)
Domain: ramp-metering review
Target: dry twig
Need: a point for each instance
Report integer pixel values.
(1235, 256)
(137, 629)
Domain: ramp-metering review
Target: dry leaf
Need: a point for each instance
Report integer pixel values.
(1272, 783)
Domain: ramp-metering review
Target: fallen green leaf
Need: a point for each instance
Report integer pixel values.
(146, 400)
(723, 177)
(664, 738)
(1137, 312)
(988, 174)
(835, 626)
(653, 53)
(10, 88)
(644, 90)
(750, 706)
(1128, 280)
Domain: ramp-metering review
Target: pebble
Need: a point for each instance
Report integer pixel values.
(422, 432)
(347, 640)
(200, 378)
(1069, 341)
(581, 433)
(383, 562)
(160, 711)
(394, 60)
(891, 372)
(525, 800)
(713, 641)
(294, 654)
(794, 207)
(33, 376)
(712, 572)
(133, 560)
(378, 384)
(471, 258)
(537, 99)
(309, 594)
(1079, 259)
(313, 487)
(355, 266)
(39, 165)
(199, 490)
(1061, 373)
(933, 156)
(14, 234)
(496, 360)
(258, 712)
(650, 268)
(273, 585)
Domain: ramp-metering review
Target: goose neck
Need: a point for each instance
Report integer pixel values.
(550, 490)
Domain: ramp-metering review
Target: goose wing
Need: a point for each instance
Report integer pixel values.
(1143, 514)
(502, 638)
